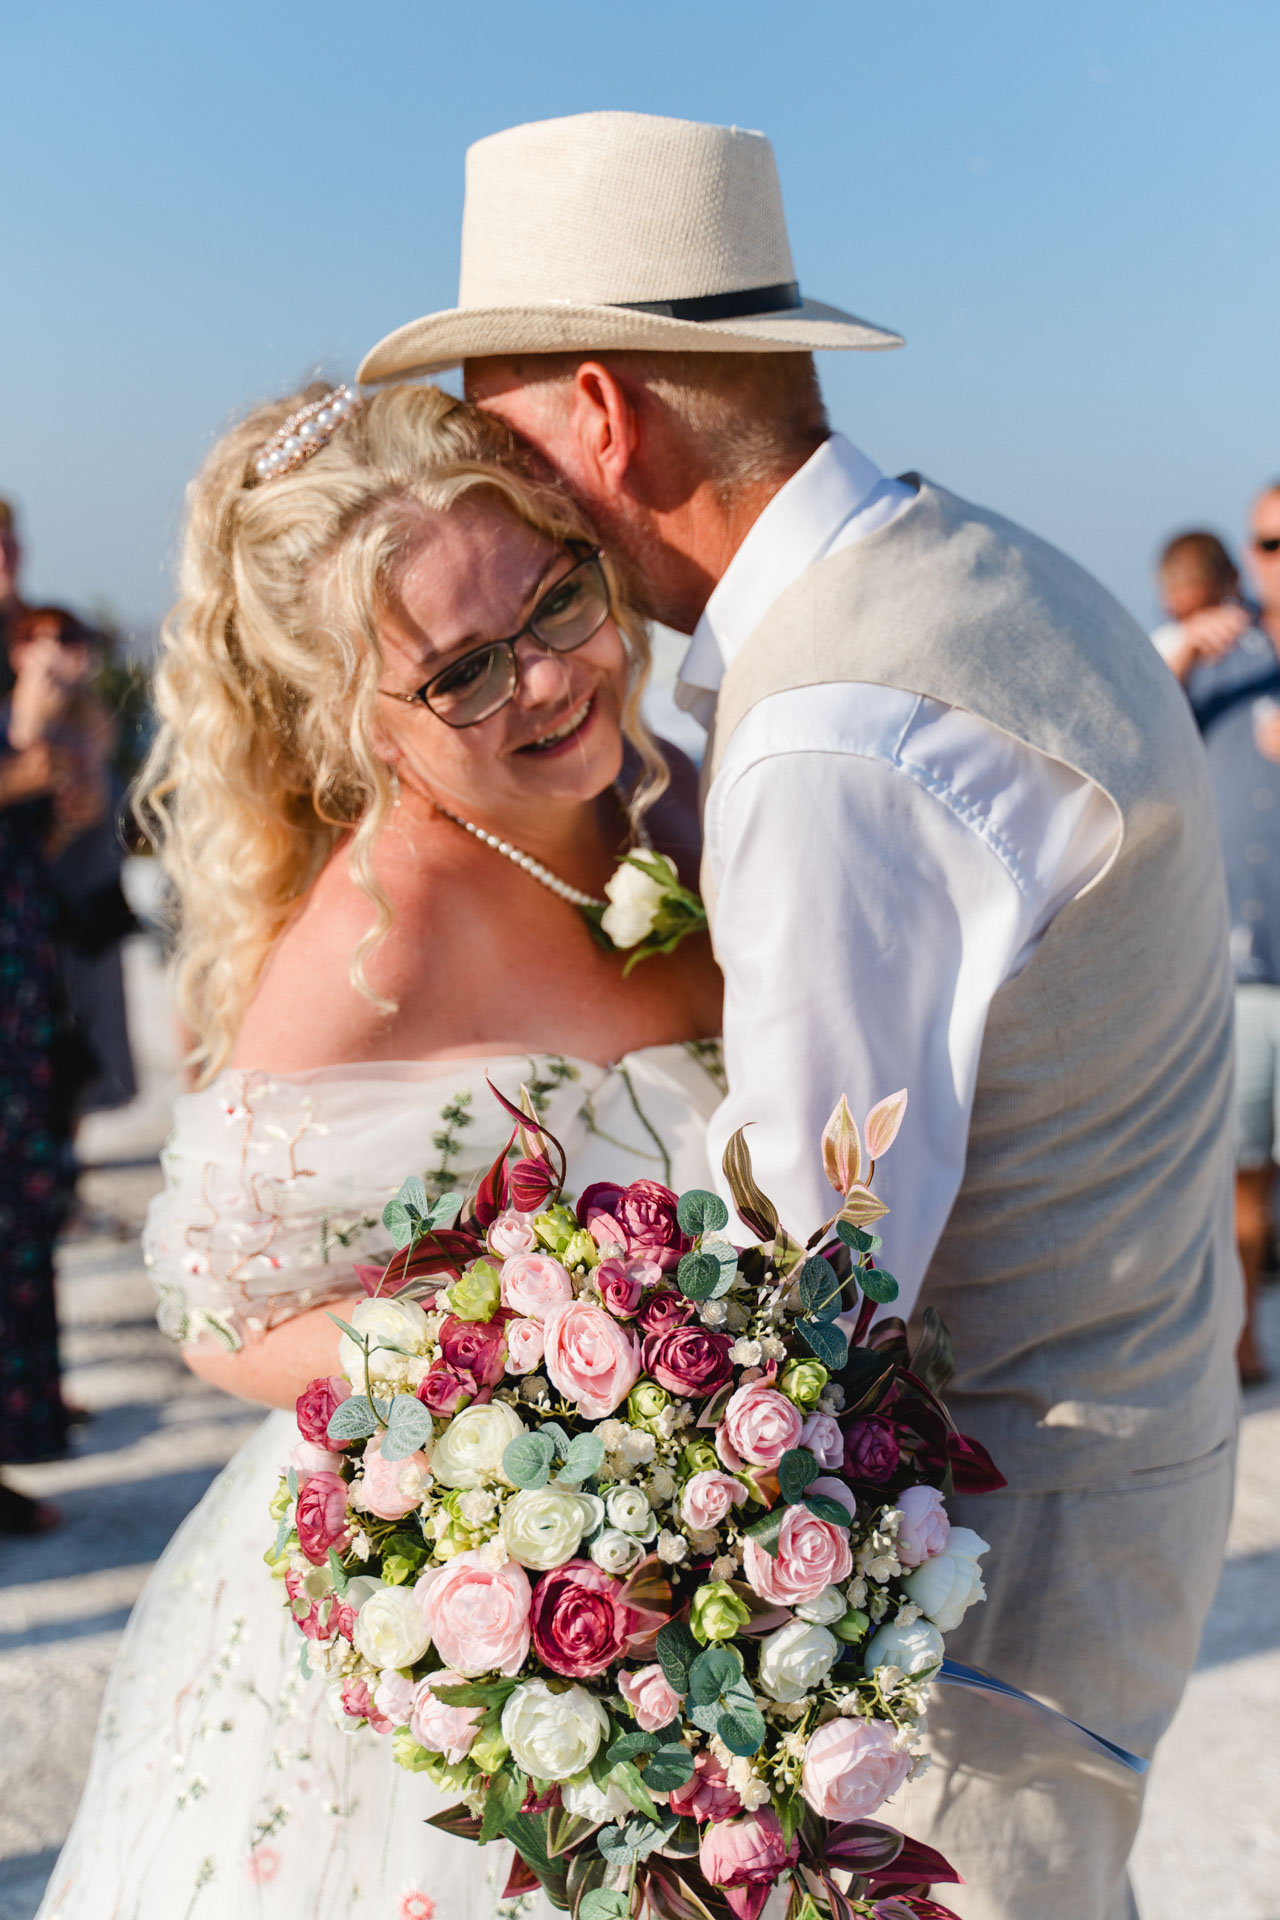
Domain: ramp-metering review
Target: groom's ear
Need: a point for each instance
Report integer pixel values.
(605, 427)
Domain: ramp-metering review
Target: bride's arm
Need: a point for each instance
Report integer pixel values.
(274, 1369)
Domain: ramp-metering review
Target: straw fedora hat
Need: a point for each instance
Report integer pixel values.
(621, 230)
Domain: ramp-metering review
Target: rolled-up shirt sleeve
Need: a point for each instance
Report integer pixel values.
(867, 911)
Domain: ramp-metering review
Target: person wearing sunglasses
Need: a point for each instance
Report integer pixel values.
(1227, 655)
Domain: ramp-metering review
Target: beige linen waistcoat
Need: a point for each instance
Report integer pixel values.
(1087, 1271)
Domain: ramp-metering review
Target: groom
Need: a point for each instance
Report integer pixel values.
(958, 836)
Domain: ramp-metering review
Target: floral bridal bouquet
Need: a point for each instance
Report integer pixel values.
(635, 1540)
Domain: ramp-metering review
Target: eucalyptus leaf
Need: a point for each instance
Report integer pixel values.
(291, 1481)
(824, 1507)
(585, 1456)
(796, 1469)
(826, 1341)
(353, 1419)
(671, 1766)
(677, 1650)
(742, 1729)
(413, 1196)
(820, 1289)
(877, 1284)
(698, 1276)
(348, 1329)
(628, 1745)
(444, 1211)
(701, 1212)
(527, 1459)
(408, 1427)
(556, 1432)
(339, 1573)
(603, 1903)
(713, 1673)
(282, 1536)
(856, 1237)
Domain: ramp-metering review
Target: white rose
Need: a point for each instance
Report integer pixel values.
(401, 1322)
(476, 1507)
(471, 1447)
(914, 1649)
(947, 1586)
(796, 1659)
(391, 1628)
(543, 1526)
(553, 1735)
(584, 1798)
(628, 1508)
(616, 1551)
(634, 902)
(829, 1606)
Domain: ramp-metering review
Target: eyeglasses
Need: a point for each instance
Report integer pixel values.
(1270, 545)
(475, 687)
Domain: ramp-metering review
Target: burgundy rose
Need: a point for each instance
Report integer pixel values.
(529, 1184)
(579, 1626)
(316, 1405)
(688, 1360)
(664, 1308)
(443, 1391)
(871, 1451)
(321, 1516)
(645, 1214)
(620, 1286)
(474, 1350)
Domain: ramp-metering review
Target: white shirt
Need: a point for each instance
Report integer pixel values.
(883, 863)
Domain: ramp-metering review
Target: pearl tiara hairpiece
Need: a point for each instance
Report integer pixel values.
(305, 432)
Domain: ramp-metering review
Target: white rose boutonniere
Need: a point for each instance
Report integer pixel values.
(648, 911)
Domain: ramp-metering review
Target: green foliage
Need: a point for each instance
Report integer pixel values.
(677, 1650)
(408, 1427)
(604, 1903)
(820, 1289)
(527, 1459)
(856, 1237)
(796, 1470)
(671, 1766)
(877, 1284)
(583, 1457)
(824, 1507)
(826, 1341)
(411, 1213)
(354, 1419)
(701, 1212)
(339, 1573)
(767, 1530)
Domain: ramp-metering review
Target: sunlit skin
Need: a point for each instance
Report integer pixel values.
(481, 958)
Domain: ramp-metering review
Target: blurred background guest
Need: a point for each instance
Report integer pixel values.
(1226, 652)
(33, 773)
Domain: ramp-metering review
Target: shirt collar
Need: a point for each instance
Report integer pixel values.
(795, 529)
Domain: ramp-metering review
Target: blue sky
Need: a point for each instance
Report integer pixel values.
(1069, 211)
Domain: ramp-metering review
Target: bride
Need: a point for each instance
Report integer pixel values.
(401, 746)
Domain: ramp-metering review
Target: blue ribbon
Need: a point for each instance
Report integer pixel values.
(953, 1673)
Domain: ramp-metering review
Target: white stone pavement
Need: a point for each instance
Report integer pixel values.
(1210, 1842)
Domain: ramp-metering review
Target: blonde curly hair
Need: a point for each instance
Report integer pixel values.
(265, 759)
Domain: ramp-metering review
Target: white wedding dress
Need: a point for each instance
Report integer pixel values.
(220, 1788)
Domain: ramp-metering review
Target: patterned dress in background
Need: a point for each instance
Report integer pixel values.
(32, 1196)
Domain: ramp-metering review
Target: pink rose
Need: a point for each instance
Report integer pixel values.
(307, 1458)
(392, 1488)
(708, 1497)
(851, 1767)
(590, 1358)
(530, 1184)
(759, 1426)
(871, 1451)
(579, 1625)
(358, 1704)
(512, 1233)
(475, 1349)
(665, 1308)
(924, 1528)
(394, 1696)
(745, 1857)
(708, 1795)
(824, 1440)
(641, 1218)
(325, 1619)
(316, 1406)
(443, 1391)
(525, 1342)
(812, 1554)
(655, 1700)
(440, 1728)
(321, 1516)
(533, 1284)
(478, 1616)
(689, 1360)
(620, 1286)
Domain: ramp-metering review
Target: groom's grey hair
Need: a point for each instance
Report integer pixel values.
(751, 416)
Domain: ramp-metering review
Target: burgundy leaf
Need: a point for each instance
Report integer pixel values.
(521, 1879)
(863, 1846)
(456, 1820)
(533, 1127)
(914, 1865)
(972, 1467)
(492, 1194)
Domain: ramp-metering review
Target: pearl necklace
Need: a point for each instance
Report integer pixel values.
(525, 861)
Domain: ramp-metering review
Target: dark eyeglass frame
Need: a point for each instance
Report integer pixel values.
(421, 696)
(1271, 544)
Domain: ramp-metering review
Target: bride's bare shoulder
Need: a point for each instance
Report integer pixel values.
(307, 1011)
